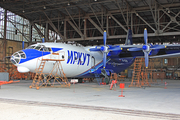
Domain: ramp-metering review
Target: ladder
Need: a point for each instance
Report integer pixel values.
(38, 78)
(56, 78)
(136, 73)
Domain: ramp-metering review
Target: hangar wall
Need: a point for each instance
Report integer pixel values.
(11, 47)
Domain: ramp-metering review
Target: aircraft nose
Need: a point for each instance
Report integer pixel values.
(17, 56)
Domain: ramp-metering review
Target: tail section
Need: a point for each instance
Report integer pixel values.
(129, 38)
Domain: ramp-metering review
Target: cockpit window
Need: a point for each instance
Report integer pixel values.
(16, 55)
(30, 47)
(37, 47)
(23, 56)
(15, 59)
(40, 48)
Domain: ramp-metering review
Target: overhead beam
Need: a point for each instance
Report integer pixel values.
(96, 17)
(144, 21)
(75, 28)
(124, 36)
(71, 17)
(95, 25)
(37, 29)
(121, 11)
(118, 22)
(53, 26)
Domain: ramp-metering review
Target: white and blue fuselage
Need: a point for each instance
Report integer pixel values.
(77, 61)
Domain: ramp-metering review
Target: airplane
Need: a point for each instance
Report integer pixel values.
(90, 61)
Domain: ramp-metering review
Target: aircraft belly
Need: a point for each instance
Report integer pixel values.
(72, 70)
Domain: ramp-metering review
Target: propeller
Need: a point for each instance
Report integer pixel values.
(105, 49)
(146, 48)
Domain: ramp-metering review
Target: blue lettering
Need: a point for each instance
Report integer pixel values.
(70, 57)
(75, 56)
(88, 59)
(84, 56)
(79, 57)
(79, 61)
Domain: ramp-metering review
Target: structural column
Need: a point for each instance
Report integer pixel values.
(46, 32)
(65, 34)
(30, 33)
(85, 26)
(5, 29)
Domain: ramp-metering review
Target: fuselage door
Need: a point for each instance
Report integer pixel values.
(92, 62)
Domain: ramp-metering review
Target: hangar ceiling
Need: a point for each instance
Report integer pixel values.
(84, 21)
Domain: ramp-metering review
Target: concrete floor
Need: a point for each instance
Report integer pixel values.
(152, 99)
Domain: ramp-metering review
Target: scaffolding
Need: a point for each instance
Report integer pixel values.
(56, 78)
(151, 71)
(136, 73)
(141, 74)
(144, 74)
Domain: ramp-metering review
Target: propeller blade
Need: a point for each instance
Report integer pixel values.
(134, 49)
(94, 49)
(115, 49)
(104, 38)
(146, 59)
(23, 44)
(43, 40)
(104, 59)
(145, 36)
(158, 47)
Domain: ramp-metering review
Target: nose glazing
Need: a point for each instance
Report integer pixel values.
(16, 57)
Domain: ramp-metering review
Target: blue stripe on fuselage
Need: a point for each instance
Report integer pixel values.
(33, 53)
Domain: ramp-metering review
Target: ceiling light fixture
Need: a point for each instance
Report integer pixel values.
(68, 4)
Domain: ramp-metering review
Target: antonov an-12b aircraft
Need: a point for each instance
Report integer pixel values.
(91, 61)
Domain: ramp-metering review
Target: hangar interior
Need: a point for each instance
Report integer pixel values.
(83, 22)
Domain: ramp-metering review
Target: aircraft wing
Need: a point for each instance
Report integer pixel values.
(172, 50)
(166, 56)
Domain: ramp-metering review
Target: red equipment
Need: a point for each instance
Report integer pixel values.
(122, 87)
(113, 83)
